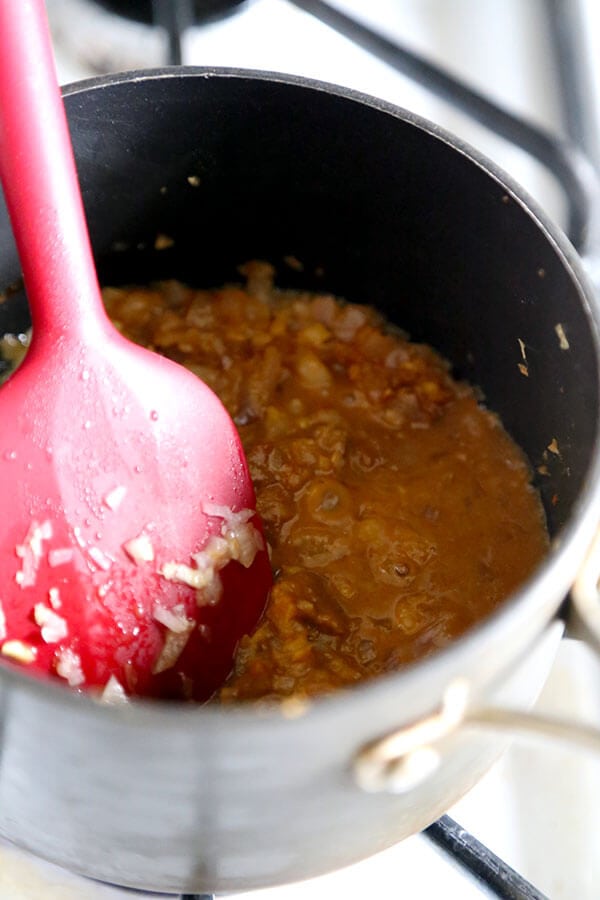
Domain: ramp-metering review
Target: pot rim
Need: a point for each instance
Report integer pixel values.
(567, 550)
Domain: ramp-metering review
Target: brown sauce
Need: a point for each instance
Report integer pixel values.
(398, 511)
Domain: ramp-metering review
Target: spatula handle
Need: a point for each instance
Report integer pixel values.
(39, 178)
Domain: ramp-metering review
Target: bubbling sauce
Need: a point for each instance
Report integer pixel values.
(398, 511)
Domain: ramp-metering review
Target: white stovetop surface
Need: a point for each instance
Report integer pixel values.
(537, 809)
(501, 48)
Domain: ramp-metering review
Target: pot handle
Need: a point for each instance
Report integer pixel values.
(402, 759)
(585, 597)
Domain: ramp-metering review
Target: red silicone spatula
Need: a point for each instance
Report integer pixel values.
(130, 556)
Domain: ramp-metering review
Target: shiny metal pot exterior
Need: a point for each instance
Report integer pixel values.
(380, 207)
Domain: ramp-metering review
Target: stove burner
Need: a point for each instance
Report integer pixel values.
(118, 35)
(145, 11)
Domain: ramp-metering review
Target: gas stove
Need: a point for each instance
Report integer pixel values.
(537, 808)
(510, 52)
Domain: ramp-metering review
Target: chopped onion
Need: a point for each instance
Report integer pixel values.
(227, 514)
(172, 649)
(243, 540)
(140, 549)
(68, 666)
(54, 598)
(113, 693)
(173, 619)
(20, 652)
(101, 559)
(212, 593)
(31, 552)
(239, 540)
(182, 574)
(53, 627)
(115, 497)
(59, 556)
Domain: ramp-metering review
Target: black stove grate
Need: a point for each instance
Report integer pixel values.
(473, 857)
(478, 862)
(564, 158)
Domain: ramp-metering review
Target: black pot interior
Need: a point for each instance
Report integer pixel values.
(377, 209)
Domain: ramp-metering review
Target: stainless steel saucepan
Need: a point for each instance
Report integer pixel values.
(381, 207)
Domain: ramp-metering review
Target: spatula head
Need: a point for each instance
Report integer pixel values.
(130, 556)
